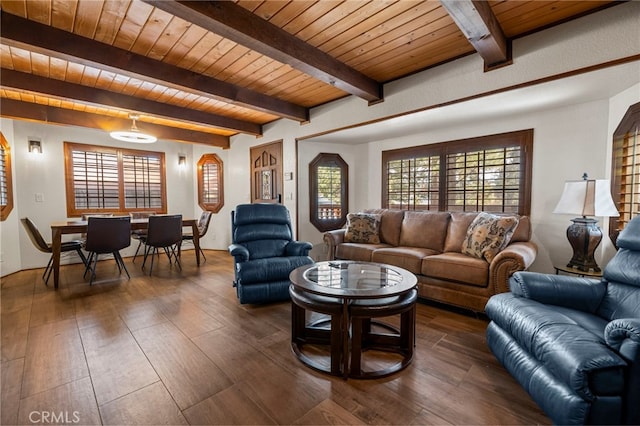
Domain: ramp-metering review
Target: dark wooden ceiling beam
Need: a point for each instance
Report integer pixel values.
(481, 27)
(88, 95)
(12, 108)
(236, 23)
(50, 41)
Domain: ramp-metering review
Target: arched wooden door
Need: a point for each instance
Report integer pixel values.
(266, 173)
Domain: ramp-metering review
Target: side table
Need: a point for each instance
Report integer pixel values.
(576, 271)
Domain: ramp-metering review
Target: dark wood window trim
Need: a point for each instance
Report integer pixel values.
(334, 189)
(453, 175)
(625, 170)
(210, 183)
(114, 180)
(6, 182)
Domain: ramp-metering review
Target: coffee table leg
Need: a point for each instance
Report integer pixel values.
(345, 338)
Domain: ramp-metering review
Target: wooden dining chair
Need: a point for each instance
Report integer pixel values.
(203, 227)
(163, 232)
(39, 242)
(107, 235)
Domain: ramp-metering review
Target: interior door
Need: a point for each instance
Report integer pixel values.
(266, 176)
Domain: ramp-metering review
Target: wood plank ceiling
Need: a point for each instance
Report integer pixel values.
(201, 71)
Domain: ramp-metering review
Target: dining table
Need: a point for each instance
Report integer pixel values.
(58, 229)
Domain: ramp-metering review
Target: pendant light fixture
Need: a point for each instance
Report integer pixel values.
(133, 134)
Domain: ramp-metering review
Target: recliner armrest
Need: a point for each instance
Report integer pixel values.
(619, 330)
(239, 252)
(298, 248)
(583, 294)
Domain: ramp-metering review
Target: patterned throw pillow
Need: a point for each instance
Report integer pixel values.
(363, 228)
(488, 234)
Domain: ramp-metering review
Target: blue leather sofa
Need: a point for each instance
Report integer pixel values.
(574, 343)
(264, 252)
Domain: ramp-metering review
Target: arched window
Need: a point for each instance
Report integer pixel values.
(625, 171)
(6, 186)
(329, 191)
(210, 183)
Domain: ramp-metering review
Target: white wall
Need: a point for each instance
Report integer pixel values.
(561, 151)
(45, 174)
(218, 235)
(568, 140)
(353, 155)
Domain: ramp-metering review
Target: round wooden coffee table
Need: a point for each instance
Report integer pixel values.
(352, 293)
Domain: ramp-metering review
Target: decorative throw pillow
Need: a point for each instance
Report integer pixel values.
(363, 228)
(488, 234)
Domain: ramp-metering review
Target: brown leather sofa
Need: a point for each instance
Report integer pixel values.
(429, 244)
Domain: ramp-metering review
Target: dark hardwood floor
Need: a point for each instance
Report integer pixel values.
(178, 348)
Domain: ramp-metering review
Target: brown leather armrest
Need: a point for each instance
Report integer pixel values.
(515, 257)
(333, 239)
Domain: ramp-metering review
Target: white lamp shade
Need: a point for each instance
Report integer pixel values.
(587, 198)
(133, 135)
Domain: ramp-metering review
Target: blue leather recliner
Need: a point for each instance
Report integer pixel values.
(574, 343)
(264, 252)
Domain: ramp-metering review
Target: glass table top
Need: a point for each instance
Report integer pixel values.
(353, 275)
(353, 279)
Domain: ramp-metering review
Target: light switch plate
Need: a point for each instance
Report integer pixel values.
(39, 197)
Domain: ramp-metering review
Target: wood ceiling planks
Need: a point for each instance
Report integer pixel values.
(383, 39)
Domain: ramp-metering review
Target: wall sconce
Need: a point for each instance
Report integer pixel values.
(35, 146)
(182, 160)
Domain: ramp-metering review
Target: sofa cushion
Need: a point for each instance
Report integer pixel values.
(424, 230)
(357, 251)
(409, 258)
(390, 224)
(457, 267)
(488, 234)
(458, 226)
(363, 228)
(522, 233)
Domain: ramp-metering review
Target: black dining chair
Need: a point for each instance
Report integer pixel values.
(163, 232)
(86, 216)
(203, 227)
(139, 235)
(39, 242)
(107, 235)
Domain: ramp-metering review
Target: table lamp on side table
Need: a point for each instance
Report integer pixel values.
(586, 197)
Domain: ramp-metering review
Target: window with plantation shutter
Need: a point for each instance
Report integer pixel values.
(484, 180)
(328, 191)
(414, 183)
(625, 170)
(210, 183)
(6, 186)
(143, 182)
(489, 173)
(104, 179)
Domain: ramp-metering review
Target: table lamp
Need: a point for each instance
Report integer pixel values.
(586, 197)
